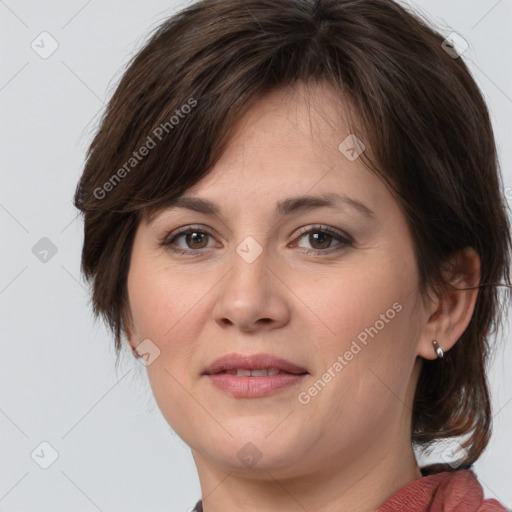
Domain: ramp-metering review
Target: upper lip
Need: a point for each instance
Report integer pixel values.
(251, 362)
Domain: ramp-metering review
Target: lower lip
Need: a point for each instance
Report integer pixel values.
(249, 387)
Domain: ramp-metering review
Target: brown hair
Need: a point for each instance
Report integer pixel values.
(423, 117)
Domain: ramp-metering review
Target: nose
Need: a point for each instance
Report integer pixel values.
(251, 297)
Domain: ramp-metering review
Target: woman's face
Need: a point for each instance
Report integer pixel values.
(332, 290)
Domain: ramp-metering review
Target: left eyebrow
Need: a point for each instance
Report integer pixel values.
(283, 208)
(333, 200)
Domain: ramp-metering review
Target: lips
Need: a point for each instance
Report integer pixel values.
(253, 376)
(239, 364)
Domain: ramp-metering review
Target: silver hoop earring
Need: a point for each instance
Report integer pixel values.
(438, 349)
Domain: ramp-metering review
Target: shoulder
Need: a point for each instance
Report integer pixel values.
(443, 490)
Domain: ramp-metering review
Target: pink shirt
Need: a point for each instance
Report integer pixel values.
(448, 491)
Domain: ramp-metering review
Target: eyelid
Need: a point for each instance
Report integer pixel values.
(325, 229)
(343, 238)
(171, 235)
(345, 241)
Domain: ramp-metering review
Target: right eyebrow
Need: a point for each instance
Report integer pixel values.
(283, 208)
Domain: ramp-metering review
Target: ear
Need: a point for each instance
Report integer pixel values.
(450, 313)
(129, 331)
(131, 337)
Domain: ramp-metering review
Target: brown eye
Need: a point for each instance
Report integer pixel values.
(196, 240)
(320, 238)
(188, 241)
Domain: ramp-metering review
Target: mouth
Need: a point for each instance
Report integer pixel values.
(264, 372)
(253, 365)
(251, 376)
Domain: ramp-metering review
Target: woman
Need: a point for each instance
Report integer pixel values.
(294, 214)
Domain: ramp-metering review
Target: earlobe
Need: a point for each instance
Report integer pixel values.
(133, 341)
(438, 349)
(131, 337)
(129, 331)
(454, 307)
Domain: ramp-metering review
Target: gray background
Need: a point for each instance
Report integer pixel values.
(58, 382)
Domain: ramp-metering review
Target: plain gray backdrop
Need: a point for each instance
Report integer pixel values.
(58, 382)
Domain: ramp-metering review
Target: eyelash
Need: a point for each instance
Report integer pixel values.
(345, 241)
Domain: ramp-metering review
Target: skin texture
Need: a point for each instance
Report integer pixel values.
(349, 447)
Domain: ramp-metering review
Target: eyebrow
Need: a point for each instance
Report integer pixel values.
(283, 208)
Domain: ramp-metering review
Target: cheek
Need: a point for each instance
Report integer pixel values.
(367, 326)
(164, 300)
(169, 308)
(361, 304)
(166, 315)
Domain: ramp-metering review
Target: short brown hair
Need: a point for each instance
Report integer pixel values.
(423, 117)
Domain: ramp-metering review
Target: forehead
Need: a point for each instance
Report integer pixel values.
(287, 154)
(292, 142)
(308, 118)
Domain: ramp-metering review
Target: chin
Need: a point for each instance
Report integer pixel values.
(263, 449)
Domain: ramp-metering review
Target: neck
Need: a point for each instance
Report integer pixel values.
(361, 486)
